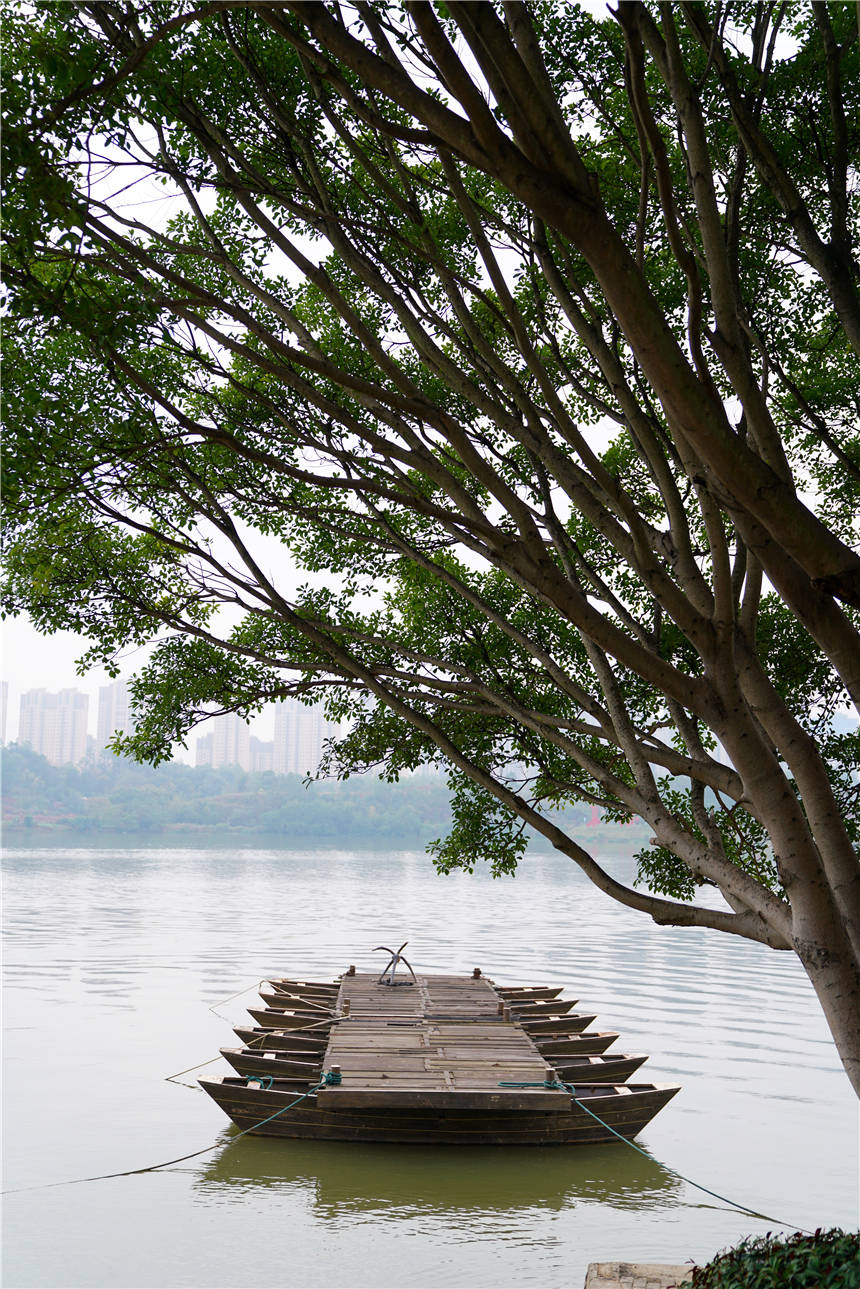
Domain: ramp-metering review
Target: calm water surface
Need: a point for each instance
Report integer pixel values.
(117, 967)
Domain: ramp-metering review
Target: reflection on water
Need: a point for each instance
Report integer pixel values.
(352, 1183)
(118, 965)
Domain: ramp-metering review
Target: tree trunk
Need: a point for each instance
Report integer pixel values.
(832, 967)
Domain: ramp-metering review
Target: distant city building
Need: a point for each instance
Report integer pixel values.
(55, 724)
(4, 706)
(297, 746)
(114, 714)
(262, 755)
(299, 735)
(227, 743)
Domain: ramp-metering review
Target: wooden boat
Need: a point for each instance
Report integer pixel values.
(519, 1117)
(281, 1065)
(272, 1018)
(286, 1063)
(273, 1040)
(543, 1026)
(593, 1041)
(307, 986)
(550, 1045)
(451, 1060)
(596, 1069)
(317, 998)
(283, 1000)
(527, 993)
(556, 1007)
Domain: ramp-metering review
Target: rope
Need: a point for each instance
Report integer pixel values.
(261, 1038)
(332, 1078)
(258, 986)
(570, 1088)
(222, 1001)
(301, 1029)
(306, 1003)
(175, 1078)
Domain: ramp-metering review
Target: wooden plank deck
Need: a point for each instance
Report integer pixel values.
(439, 1043)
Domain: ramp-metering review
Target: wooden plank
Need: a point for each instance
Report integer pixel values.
(438, 1043)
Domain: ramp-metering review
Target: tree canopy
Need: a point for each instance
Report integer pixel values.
(532, 337)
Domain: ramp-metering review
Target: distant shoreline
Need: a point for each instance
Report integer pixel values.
(115, 802)
(609, 840)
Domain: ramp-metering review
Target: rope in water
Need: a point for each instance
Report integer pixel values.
(570, 1088)
(331, 1078)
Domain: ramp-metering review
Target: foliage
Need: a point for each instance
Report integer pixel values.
(530, 338)
(826, 1260)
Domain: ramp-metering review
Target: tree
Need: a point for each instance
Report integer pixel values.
(533, 337)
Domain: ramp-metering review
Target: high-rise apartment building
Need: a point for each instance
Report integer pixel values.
(261, 755)
(299, 735)
(227, 743)
(55, 724)
(114, 714)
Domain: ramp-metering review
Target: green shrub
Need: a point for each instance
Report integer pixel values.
(825, 1260)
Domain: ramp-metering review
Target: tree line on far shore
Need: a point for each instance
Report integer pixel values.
(116, 795)
(121, 796)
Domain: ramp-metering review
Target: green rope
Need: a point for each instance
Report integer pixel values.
(570, 1088)
(332, 1078)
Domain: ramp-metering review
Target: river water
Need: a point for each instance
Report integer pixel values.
(118, 963)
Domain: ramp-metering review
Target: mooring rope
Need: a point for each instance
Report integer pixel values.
(222, 1001)
(570, 1088)
(261, 1038)
(333, 1078)
(175, 1078)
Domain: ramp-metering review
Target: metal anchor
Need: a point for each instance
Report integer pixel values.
(391, 966)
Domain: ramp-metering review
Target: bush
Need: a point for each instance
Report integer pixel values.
(825, 1260)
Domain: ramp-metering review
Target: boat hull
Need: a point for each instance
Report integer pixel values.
(272, 1040)
(527, 1008)
(279, 1065)
(526, 993)
(596, 1069)
(544, 1028)
(272, 1019)
(300, 1002)
(626, 1109)
(328, 988)
(552, 1046)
